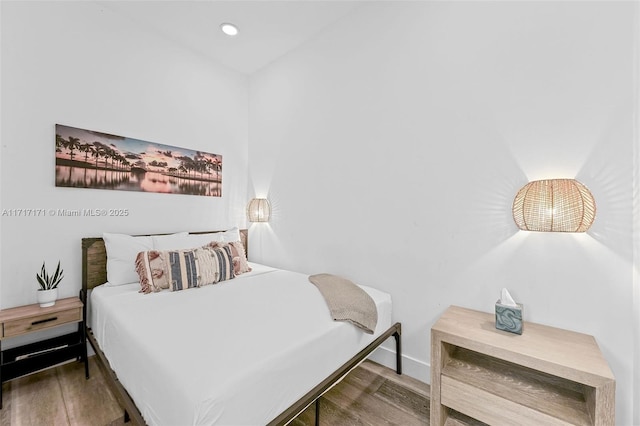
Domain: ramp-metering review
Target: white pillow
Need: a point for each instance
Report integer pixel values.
(182, 241)
(168, 242)
(231, 235)
(122, 250)
(227, 236)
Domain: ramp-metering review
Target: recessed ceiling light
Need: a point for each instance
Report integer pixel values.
(229, 29)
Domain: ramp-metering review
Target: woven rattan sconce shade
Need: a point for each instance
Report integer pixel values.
(554, 205)
(259, 210)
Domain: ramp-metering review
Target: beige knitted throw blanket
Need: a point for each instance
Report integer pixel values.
(347, 301)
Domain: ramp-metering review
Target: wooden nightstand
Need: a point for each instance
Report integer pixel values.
(544, 376)
(26, 359)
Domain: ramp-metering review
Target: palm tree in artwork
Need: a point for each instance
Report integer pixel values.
(122, 160)
(203, 163)
(60, 143)
(97, 152)
(72, 144)
(217, 166)
(87, 148)
(200, 167)
(207, 166)
(119, 159)
(114, 156)
(213, 166)
(107, 154)
(188, 164)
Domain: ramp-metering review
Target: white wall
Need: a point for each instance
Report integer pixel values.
(78, 64)
(391, 147)
(636, 233)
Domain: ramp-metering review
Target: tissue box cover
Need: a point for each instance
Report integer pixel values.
(509, 318)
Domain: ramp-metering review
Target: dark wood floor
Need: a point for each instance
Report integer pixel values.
(370, 395)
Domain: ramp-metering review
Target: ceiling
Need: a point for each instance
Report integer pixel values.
(268, 29)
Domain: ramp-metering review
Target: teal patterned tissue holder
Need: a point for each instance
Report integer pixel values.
(509, 318)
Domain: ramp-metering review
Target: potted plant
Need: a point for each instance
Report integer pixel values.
(48, 291)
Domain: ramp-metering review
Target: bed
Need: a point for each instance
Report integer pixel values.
(256, 349)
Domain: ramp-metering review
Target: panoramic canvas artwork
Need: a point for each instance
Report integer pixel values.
(88, 159)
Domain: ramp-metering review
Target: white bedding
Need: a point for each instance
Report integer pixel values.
(235, 353)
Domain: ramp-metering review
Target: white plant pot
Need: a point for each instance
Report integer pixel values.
(47, 297)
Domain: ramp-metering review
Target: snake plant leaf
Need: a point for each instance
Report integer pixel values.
(57, 277)
(41, 282)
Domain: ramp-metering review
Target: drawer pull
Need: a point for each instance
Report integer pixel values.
(44, 320)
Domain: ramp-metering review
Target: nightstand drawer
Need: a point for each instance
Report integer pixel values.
(20, 326)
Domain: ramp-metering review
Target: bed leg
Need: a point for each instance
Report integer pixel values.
(82, 331)
(398, 352)
(1, 361)
(318, 411)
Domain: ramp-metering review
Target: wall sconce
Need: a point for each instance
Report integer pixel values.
(259, 210)
(554, 205)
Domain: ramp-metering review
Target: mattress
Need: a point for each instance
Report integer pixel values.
(235, 353)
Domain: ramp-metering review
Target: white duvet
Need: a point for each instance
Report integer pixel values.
(235, 353)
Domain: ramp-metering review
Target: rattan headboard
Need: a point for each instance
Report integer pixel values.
(94, 259)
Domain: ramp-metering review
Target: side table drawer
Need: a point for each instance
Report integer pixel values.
(40, 322)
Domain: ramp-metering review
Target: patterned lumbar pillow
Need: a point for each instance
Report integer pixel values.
(182, 269)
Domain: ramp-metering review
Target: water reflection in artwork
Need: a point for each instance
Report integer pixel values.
(88, 159)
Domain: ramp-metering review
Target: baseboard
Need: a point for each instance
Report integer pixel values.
(410, 366)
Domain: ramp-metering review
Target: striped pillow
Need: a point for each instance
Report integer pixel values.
(240, 264)
(214, 265)
(181, 269)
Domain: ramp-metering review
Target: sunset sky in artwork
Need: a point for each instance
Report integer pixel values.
(132, 149)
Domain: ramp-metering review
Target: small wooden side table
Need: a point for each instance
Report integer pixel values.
(32, 357)
(545, 376)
